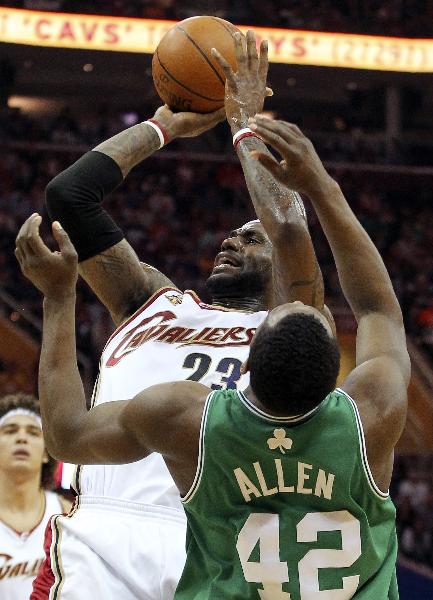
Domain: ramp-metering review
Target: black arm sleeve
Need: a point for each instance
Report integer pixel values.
(74, 199)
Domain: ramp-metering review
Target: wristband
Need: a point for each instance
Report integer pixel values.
(162, 133)
(243, 133)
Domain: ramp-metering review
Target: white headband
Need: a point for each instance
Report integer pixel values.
(21, 412)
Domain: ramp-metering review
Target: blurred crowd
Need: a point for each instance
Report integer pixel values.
(410, 18)
(412, 492)
(339, 133)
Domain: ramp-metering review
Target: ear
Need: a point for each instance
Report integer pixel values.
(45, 458)
(328, 315)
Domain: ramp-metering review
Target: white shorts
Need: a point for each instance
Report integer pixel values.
(107, 549)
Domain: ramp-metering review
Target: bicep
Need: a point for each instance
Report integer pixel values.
(379, 389)
(120, 281)
(296, 272)
(99, 437)
(382, 336)
(167, 418)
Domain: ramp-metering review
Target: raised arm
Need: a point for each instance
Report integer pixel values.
(107, 261)
(165, 418)
(296, 273)
(379, 382)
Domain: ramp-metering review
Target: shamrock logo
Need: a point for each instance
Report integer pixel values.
(280, 441)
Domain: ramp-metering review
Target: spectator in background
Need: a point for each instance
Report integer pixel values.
(413, 493)
(414, 487)
(26, 473)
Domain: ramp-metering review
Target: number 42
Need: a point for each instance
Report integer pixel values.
(272, 573)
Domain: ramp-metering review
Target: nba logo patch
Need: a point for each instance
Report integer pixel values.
(175, 299)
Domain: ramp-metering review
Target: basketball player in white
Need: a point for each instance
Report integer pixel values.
(25, 506)
(126, 538)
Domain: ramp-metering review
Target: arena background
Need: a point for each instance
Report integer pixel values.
(73, 73)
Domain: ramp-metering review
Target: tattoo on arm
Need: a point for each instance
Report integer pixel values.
(316, 284)
(131, 146)
(111, 265)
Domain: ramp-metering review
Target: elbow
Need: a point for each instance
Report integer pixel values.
(60, 442)
(59, 450)
(54, 447)
(56, 194)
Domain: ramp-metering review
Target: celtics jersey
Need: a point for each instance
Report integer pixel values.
(286, 508)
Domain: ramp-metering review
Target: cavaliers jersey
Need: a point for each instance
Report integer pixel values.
(21, 554)
(286, 508)
(173, 336)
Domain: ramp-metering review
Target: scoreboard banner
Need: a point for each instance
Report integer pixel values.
(118, 34)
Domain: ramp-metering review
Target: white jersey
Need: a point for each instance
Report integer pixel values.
(173, 336)
(21, 554)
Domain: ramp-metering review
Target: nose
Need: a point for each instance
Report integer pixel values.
(232, 243)
(22, 436)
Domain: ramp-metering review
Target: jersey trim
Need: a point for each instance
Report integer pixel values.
(148, 302)
(268, 417)
(76, 479)
(55, 558)
(200, 462)
(205, 306)
(56, 565)
(374, 487)
(95, 391)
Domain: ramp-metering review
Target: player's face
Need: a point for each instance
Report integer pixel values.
(245, 251)
(21, 445)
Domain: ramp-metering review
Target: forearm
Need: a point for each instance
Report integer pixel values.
(131, 146)
(61, 392)
(363, 277)
(276, 206)
(296, 273)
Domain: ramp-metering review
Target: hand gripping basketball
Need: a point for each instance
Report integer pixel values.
(187, 124)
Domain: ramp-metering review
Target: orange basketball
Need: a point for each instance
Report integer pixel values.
(186, 75)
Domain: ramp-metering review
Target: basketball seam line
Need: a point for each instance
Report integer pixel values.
(194, 43)
(184, 86)
(232, 33)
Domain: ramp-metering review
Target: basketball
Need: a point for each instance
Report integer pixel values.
(186, 75)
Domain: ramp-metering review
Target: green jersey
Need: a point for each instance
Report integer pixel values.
(286, 508)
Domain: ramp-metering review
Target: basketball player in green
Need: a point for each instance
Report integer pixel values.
(285, 486)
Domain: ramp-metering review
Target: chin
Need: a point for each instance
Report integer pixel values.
(221, 281)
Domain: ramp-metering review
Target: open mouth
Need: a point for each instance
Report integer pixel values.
(225, 259)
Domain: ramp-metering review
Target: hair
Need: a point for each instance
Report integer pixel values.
(293, 365)
(28, 402)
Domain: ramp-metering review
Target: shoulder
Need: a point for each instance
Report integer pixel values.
(379, 389)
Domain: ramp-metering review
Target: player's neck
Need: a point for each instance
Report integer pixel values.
(250, 304)
(18, 493)
(250, 395)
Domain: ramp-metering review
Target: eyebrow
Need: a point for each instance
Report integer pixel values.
(253, 231)
(17, 425)
(247, 232)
